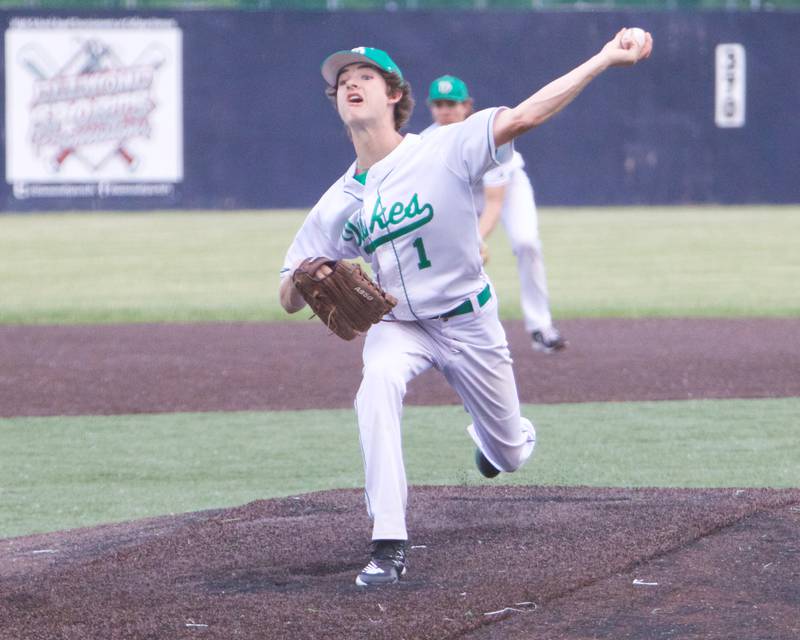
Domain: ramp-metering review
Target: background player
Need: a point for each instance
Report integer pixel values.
(405, 204)
(505, 193)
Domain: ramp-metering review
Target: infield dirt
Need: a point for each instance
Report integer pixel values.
(486, 563)
(78, 370)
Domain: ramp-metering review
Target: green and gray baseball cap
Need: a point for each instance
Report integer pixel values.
(335, 62)
(448, 88)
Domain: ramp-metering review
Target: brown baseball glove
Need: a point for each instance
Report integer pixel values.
(346, 299)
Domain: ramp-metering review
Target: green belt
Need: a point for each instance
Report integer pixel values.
(466, 306)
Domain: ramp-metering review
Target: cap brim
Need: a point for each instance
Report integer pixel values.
(335, 62)
(447, 99)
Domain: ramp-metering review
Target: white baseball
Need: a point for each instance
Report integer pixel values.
(634, 34)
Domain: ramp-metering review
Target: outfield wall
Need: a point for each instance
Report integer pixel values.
(226, 109)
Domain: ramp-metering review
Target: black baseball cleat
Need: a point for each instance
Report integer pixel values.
(487, 469)
(387, 564)
(548, 340)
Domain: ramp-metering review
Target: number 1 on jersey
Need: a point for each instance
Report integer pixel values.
(424, 263)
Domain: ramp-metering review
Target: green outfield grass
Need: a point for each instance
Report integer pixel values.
(195, 266)
(61, 472)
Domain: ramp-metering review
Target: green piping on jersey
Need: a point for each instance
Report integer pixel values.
(360, 232)
(361, 177)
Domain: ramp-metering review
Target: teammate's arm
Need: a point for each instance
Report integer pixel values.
(553, 97)
(492, 208)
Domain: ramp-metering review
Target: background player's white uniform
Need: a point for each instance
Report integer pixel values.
(415, 221)
(521, 223)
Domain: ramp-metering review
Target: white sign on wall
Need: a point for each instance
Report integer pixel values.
(95, 103)
(731, 85)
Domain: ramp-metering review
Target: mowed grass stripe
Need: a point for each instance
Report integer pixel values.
(217, 266)
(60, 472)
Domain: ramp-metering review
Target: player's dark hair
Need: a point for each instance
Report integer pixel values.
(402, 109)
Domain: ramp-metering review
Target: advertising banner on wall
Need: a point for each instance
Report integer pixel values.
(93, 107)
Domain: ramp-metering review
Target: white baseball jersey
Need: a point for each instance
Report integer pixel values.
(497, 176)
(414, 220)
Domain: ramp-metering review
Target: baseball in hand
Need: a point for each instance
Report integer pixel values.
(632, 35)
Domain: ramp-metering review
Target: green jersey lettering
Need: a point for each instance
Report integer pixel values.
(402, 219)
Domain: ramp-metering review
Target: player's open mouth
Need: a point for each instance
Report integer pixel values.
(354, 98)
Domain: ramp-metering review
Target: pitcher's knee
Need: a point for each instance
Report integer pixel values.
(511, 457)
(510, 460)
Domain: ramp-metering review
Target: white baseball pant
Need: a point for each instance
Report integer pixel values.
(472, 352)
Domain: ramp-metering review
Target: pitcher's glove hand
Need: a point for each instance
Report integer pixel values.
(346, 299)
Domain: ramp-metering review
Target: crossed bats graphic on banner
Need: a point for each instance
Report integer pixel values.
(93, 56)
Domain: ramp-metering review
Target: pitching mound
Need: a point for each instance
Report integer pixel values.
(488, 563)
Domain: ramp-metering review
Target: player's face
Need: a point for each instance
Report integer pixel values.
(447, 112)
(361, 95)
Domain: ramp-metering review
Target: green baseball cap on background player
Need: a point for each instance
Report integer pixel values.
(448, 88)
(335, 62)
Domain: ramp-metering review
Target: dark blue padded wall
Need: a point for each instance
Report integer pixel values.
(260, 133)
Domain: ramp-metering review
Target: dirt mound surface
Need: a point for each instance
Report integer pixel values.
(488, 563)
(76, 370)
